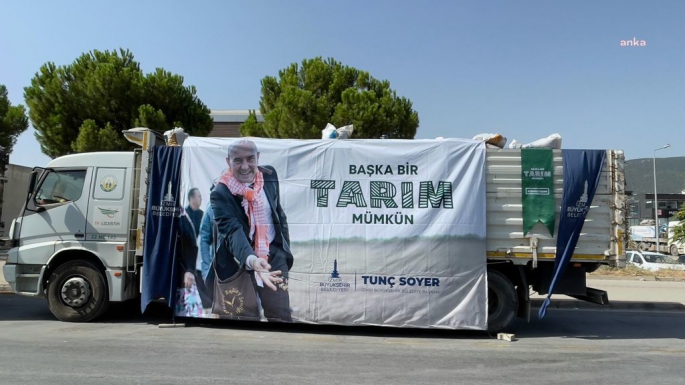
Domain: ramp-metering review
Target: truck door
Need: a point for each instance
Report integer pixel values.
(56, 215)
(109, 205)
(108, 218)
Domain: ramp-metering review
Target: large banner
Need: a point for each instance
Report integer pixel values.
(161, 225)
(537, 180)
(582, 172)
(350, 232)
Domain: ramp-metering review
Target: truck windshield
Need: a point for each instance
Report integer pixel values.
(60, 187)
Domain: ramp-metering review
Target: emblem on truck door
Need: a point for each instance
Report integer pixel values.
(108, 212)
(109, 183)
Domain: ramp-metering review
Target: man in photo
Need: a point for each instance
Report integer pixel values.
(252, 228)
(207, 240)
(194, 214)
(193, 209)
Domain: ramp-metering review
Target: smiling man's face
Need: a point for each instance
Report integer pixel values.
(243, 161)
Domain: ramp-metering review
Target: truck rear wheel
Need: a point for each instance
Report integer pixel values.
(674, 250)
(77, 292)
(502, 301)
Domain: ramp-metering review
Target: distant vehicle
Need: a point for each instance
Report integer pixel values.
(641, 231)
(643, 236)
(653, 261)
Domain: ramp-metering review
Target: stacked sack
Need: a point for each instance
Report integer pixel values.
(330, 132)
(492, 140)
(553, 141)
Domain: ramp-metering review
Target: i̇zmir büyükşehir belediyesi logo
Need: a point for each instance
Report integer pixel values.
(335, 283)
(168, 206)
(168, 197)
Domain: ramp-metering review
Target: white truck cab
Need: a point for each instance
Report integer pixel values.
(77, 241)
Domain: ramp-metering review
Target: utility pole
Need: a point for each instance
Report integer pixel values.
(4, 161)
(656, 200)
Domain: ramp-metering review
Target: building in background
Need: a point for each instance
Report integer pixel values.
(227, 122)
(641, 207)
(13, 189)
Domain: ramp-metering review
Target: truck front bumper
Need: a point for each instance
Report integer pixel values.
(10, 274)
(24, 279)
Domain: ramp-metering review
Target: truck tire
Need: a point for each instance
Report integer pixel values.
(502, 301)
(77, 292)
(674, 250)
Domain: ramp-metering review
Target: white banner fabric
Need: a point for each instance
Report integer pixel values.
(382, 232)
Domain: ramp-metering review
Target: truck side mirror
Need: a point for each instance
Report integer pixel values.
(32, 183)
(32, 193)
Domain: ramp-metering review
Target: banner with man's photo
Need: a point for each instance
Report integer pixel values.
(349, 232)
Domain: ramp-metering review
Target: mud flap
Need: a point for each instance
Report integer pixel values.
(600, 297)
(571, 283)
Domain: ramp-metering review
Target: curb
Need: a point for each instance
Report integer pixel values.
(635, 278)
(613, 305)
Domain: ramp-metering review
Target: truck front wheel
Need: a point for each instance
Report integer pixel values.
(77, 292)
(502, 301)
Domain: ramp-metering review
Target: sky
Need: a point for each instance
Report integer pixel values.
(524, 69)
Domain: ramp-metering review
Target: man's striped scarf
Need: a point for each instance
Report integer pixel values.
(254, 209)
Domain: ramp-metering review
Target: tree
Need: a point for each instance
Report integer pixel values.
(85, 105)
(306, 97)
(13, 121)
(679, 230)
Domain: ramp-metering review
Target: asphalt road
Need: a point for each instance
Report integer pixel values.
(569, 347)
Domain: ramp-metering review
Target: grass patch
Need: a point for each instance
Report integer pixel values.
(634, 271)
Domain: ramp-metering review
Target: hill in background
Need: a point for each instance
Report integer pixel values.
(670, 175)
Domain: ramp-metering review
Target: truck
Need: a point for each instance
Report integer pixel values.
(643, 237)
(80, 239)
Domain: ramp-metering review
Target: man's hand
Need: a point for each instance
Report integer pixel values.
(262, 267)
(188, 280)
